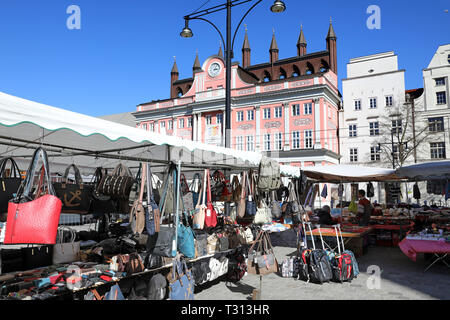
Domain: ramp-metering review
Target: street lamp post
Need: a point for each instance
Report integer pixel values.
(278, 6)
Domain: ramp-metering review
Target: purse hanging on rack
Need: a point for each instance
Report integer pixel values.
(66, 251)
(263, 213)
(237, 189)
(100, 203)
(200, 208)
(241, 204)
(34, 221)
(250, 204)
(185, 235)
(152, 212)
(134, 193)
(137, 213)
(186, 194)
(77, 197)
(181, 282)
(118, 184)
(9, 183)
(211, 215)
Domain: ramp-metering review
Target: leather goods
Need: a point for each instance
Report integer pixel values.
(119, 262)
(66, 252)
(118, 184)
(262, 260)
(166, 241)
(186, 194)
(224, 244)
(201, 243)
(250, 204)
(200, 208)
(152, 261)
(241, 204)
(185, 241)
(210, 215)
(152, 213)
(134, 192)
(223, 269)
(221, 190)
(181, 282)
(36, 257)
(237, 189)
(215, 267)
(134, 264)
(9, 182)
(77, 197)
(137, 214)
(157, 287)
(275, 206)
(100, 203)
(34, 220)
(114, 293)
(195, 187)
(213, 245)
(263, 214)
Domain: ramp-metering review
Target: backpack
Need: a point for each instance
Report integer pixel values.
(342, 266)
(157, 287)
(354, 263)
(301, 269)
(269, 174)
(319, 266)
(236, 268)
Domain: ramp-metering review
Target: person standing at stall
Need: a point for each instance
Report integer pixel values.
(364, 209)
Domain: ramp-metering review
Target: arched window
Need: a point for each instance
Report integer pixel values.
(179, 92)
(296, 72)
(267, 77)
(309, 68)
(282, 74)
(324, 67)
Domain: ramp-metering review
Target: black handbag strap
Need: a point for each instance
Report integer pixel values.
(29, 180)
(78, 179)
(14, 168)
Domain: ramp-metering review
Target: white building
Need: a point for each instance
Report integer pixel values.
(374, 87)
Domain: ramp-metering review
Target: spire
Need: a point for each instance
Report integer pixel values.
(196, 63)
(331, 34)
(174, 68)
(301, 38)
(273, 45)
(220, 54)
(246, 45)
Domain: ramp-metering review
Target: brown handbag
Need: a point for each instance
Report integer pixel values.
(134, 264)
(237, 189)
(267, 257)
(252, 266)
(137, 214)
(242, 198)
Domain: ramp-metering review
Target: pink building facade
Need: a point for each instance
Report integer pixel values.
(286, 109)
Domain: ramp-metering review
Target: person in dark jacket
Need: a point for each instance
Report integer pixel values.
(325, 216)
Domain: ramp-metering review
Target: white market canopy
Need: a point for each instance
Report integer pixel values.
(90, 142)
(425, 171)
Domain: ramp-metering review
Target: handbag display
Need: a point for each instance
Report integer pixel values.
(76, 197)
(201, 243)
(36, 257)
(200, 208)
(9, 182)
(100, 203)
(221, 189)
(224, 243)
(34, 220)
(66, 252)
(262, 260)
(152, 261)
(118, 184)
(185, 237)
(263, 214)
(237, 189)
(213, 245)
(134, 264)
(210, 214)
(186, 194)
(250, 204)
(275, 206)
(241, 204)
(181, 282)
(215, 267)
(137, 214)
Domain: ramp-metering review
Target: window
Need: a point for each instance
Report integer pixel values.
(266, 114)
(144, 126)
(395, 152)
(296, 140)
(250, 143)
(162, 124)
(357, 105)
(295, 110)
(373, 103)
(353, 155)
(267, 142)
(436, 124)
(375, 153)
(208, 119)
(437, 150)
(278, 141)
(189, 123)
(307, 108)
(389, 101)
(352, 130)
(219, 118)
(152, 126)
(308, 139)
(240, 116)
(278, 112)
(441, 98)
(440, 81)
(250, 115)
(397, 126)
(448, 58)
(374, 128)
(170, 124)
(181, 122)
(240, 143)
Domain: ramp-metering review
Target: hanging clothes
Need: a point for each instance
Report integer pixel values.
(416, 191)
(324, 193)
(370, 190)
(341, 190)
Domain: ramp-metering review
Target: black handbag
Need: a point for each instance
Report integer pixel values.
(118, 184)
(153, 261)
(76, 198)
(100, 203)
(36, 257)
(9, 183)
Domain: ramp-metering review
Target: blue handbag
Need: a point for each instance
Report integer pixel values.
(114, 293)
(185, 237)
(181, 287)
(250, 205)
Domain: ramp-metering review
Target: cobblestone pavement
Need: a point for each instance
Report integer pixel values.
(401, 279)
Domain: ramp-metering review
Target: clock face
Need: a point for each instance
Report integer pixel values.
(214, 69)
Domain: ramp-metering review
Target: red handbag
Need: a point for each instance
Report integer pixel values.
(210, 215)
(34, 220)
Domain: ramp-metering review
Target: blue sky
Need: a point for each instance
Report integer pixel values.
(123, 53)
